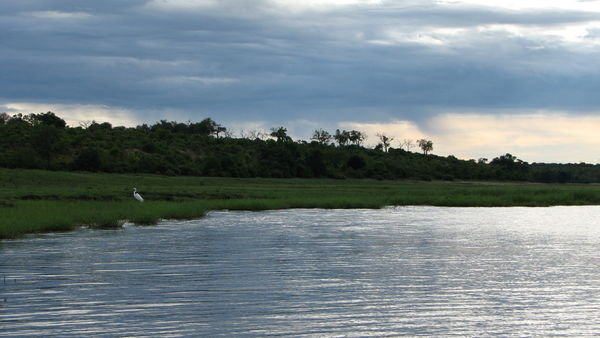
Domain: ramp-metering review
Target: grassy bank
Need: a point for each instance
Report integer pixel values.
(34, 201)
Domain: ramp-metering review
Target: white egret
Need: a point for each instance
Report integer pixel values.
(137, 196)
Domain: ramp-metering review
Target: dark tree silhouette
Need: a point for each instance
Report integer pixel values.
(280, 133)
(385, 141)
(425, 145)
(321, 136)
(341, 137)
(42, 141)
(47, 119)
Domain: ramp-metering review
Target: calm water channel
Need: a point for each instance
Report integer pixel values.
(397, 271)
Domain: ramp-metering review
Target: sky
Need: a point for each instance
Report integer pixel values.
(478, 78)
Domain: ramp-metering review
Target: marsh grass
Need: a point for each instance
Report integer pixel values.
(37, 201)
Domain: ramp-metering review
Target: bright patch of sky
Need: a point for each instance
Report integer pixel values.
(518, 5)
(537, 137)
(304, 5)
(57, 15)
(76, 114)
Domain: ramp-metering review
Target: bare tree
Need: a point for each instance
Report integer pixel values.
(260, 134)
(406, 144)
(86, 124)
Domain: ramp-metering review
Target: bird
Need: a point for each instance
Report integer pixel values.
(137, 196)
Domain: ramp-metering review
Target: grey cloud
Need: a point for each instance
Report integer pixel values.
(473, 16)
(313, 65)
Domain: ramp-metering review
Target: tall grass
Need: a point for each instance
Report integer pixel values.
(41, 216)
(35, 201)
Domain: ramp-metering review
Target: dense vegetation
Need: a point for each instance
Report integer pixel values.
(44, 141)
(40, 200)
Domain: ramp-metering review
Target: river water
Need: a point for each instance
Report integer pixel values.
(396, 271)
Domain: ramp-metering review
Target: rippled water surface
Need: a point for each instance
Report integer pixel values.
(397, 271)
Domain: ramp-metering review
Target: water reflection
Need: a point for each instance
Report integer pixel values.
(410, 270)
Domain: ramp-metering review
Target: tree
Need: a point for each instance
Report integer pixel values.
(510, 167)
(507, 160)
(86, 124)
(45, 140)
(219, 129)
(4, 117)
(50, 119)
(205, 127)
(356, 162)
(88, 159)
(385, 141)
(341, 137)
(321, 136)
(254, 134)
(39, 141)
(406, 144)
(356, 137)
(425, 145)
(315, 162)
(47, 119)
(104, 126)
(280, 133)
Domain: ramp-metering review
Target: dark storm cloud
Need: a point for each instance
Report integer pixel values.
(248, 60)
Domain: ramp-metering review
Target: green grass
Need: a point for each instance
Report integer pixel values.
(38, 201)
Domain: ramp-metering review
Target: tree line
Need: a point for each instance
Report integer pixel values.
(207, 148)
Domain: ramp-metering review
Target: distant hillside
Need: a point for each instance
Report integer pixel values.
(44, 141)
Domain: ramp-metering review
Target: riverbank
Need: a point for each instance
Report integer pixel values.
(39, 201)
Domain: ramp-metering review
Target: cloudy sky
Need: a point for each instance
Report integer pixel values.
(479, 78)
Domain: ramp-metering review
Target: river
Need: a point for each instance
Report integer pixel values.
(413, 271)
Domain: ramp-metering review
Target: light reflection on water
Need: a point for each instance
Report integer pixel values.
(397, 271)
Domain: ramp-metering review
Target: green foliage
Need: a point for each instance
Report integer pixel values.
(316, 163)
(88, 159)
(510, 167)
(45, 119)
(356, 162)
(46, 141)
(43, 141)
